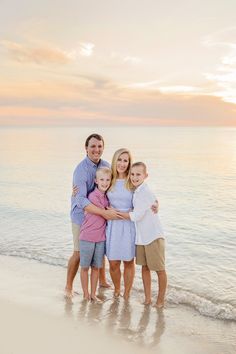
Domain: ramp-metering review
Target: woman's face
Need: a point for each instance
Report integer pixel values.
(122, 163)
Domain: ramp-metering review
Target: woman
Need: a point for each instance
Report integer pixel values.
(120, 234)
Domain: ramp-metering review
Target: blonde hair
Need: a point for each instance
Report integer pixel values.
(104, 170)
(140, 164)
(116, 155)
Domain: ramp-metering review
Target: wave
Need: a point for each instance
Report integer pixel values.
(204, 306)
(176, 295)
(41, 258)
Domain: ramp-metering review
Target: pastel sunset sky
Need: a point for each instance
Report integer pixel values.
(110, 62)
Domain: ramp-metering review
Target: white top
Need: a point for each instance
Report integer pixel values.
(147, 224)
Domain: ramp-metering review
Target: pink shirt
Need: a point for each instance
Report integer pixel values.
(93, 226)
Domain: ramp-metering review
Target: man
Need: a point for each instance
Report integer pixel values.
(83, 178)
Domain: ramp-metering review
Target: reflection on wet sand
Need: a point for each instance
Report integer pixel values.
(131, 320)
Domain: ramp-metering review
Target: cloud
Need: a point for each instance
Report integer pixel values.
(180, 89)
(157, 87)
(145, 85)
(223, 37)
(119, 58)
(132, 60)
(39, 55)
(224, 75)
(86, 49)
(102, 101)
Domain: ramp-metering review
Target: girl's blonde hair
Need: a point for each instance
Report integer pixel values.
(116, 155)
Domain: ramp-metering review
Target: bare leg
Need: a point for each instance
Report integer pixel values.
(162, 282)
(102, 276)
(115, 276)
(129, 271)
(84, 282)
(146, 276)
(94, 282)
(72, 269)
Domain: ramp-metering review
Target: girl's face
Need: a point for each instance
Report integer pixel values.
(122, 163)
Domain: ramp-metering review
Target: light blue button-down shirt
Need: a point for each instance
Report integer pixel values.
(83, 178)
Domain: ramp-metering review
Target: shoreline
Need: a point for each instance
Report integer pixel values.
(34, 310)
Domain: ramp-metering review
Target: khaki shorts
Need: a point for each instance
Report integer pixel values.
(76, 232)
(152, 255)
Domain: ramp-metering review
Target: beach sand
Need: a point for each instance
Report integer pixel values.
(36, 318)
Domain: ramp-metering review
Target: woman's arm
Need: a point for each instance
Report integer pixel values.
(123, 215)
(108, 214)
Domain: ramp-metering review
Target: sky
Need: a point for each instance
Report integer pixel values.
(114, 62)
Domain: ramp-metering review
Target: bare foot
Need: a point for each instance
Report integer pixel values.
(126, 297)
(104, 285)
(116, 294)
(68, 293)
(147, 302)
(159, 305)
(87, 297)
(96, 300)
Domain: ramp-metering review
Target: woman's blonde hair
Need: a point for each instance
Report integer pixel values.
(116, 155)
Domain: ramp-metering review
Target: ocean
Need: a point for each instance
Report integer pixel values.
(192, 172)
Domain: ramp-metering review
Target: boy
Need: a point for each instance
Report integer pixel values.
(150, 243)
(92, 235)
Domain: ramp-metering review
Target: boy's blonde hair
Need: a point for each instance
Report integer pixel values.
(103, 170)
(140, 164)
(116, 155)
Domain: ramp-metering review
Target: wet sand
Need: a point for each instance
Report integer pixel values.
(36, 318)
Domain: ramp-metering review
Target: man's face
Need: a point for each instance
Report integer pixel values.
(94, 149)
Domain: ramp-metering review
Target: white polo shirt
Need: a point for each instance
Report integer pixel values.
(147, 224)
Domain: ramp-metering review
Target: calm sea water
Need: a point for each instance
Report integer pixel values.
(191, 170)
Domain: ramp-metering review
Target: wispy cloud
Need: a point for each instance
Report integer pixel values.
(132, 60)
(28, 54)
(224, 75)
(180, 89)
(155, 84)
(86, 49)
(129, 59)
(104, 101)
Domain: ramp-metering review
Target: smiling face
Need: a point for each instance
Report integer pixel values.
(94, 149)
(137, 175)
(103, 181)
(122, 164)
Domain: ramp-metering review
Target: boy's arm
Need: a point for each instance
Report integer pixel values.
(80, 192)
(97, 207)
(108, 214)
(142, 205)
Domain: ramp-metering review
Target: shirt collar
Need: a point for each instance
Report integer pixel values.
(91, 163)
(98, 192)
(139, 188)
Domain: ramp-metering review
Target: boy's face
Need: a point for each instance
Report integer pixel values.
(103, 181)
(137, 175)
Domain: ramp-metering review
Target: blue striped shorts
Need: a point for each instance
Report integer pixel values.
(91, 254)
